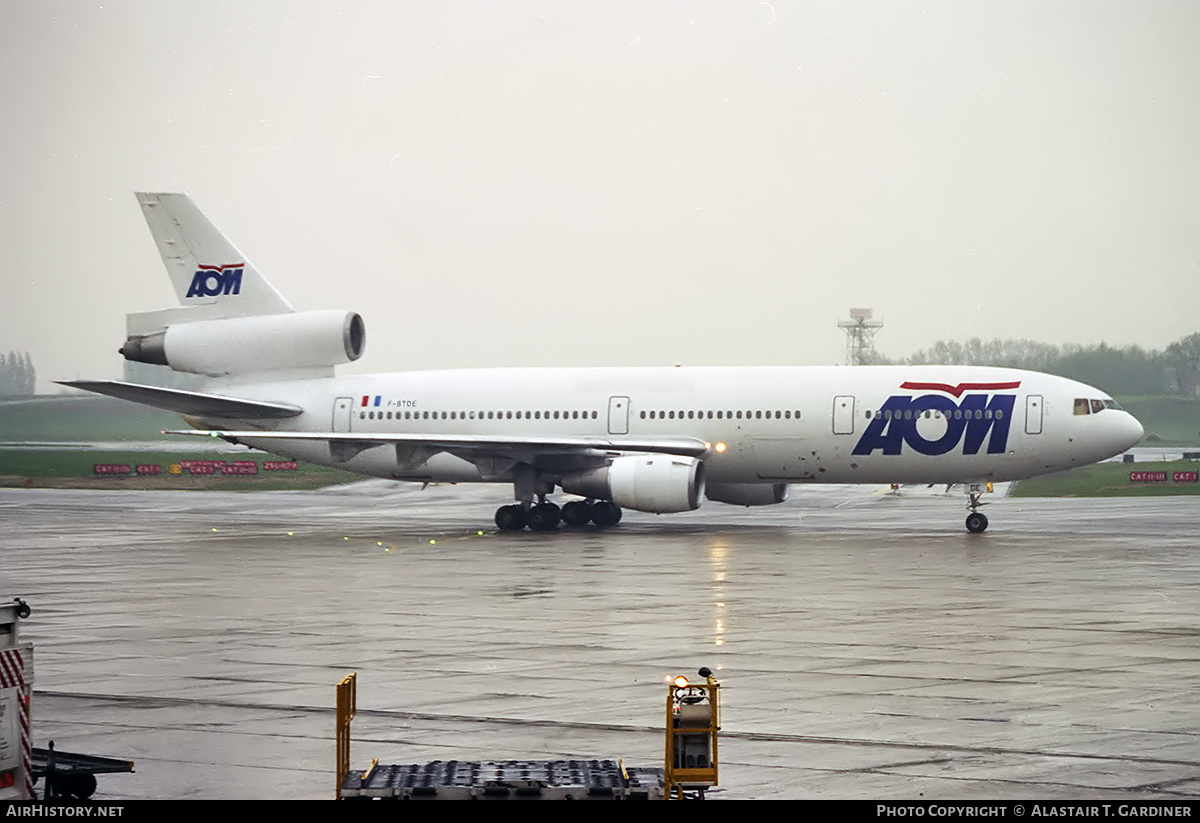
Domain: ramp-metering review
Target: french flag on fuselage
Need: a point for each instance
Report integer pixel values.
(366, 401)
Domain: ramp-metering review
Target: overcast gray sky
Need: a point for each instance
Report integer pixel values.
(557, 183)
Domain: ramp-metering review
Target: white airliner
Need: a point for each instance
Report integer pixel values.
(650, 439)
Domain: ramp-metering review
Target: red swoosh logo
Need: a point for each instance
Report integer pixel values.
(960, 388)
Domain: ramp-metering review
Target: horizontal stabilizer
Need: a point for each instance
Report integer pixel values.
(197, 404)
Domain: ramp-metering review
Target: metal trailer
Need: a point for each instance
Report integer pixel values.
(506, 780)
(693, 723)
(72, 775)
(484, 779)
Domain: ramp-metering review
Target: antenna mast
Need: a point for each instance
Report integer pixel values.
(860, 336)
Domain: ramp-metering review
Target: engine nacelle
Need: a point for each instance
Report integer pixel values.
(245, 345)
(747, 494)
(658, 483)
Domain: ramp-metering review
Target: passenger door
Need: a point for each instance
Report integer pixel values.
(342, 413)
(843, 414)
(618, 415)
(1033, 414)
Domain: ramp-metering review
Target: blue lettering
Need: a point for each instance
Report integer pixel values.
(210, 283)
(976, 416)
(881, 434)
(954, 427)
(996, 417)
(233, 281)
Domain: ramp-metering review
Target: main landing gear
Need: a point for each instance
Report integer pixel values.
(546, 516)
(977, 521)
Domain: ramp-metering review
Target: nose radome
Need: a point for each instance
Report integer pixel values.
(1131, 431)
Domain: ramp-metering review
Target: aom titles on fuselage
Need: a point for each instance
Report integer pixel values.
(650, 439)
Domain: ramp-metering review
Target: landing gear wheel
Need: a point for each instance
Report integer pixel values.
(577, 513)
(544, 517)
(510, 518)
(605, 513)
(977, 522)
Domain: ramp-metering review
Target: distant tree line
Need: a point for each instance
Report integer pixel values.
(1127, 370)
(17, 374)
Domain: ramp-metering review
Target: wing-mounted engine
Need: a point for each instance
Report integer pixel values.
(250, 345)
(747, 494)
(658, 483)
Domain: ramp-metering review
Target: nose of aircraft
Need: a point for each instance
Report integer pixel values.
(1125, 432)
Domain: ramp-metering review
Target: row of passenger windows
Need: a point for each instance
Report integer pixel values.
(578, 415)
(479, 415)
(722, 415)
(959, 414)
(758, 414)
(1081, 407)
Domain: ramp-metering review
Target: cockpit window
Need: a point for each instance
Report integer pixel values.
(1085, 406)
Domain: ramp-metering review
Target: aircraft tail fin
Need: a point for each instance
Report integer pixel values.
(208, 272)
(232, 323)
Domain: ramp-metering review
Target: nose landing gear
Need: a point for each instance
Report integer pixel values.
(977, 521)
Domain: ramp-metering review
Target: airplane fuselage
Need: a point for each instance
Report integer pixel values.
(881, 424)
(649, 439)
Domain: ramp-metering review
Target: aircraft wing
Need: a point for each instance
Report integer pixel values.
(180, 401)
(470, 444)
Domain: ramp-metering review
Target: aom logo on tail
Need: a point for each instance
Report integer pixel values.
(210, 281)
(934, 424)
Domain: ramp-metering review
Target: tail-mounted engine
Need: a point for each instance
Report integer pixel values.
(247, 345)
